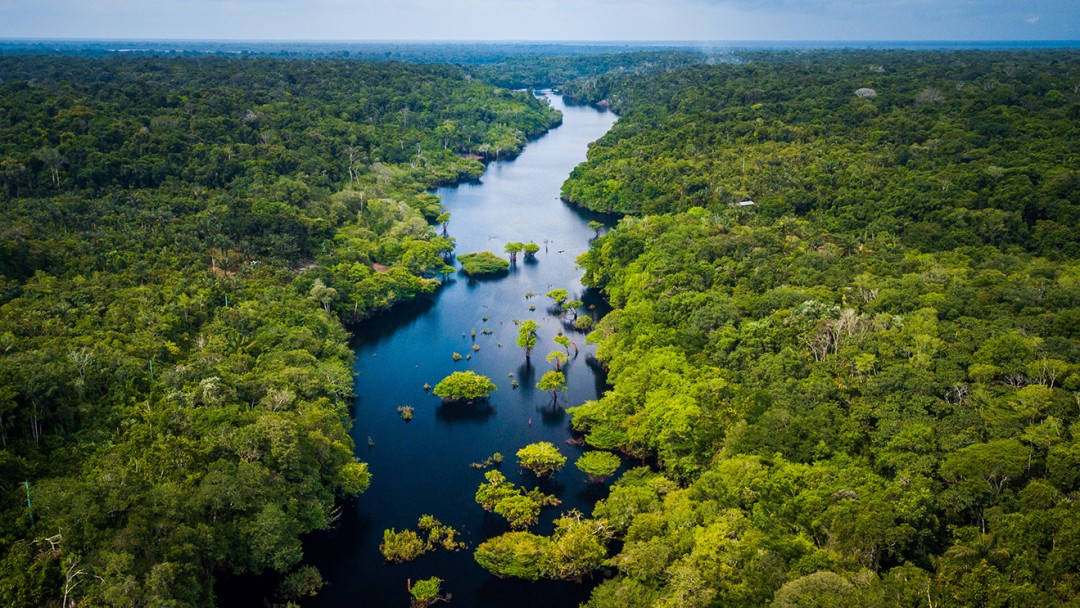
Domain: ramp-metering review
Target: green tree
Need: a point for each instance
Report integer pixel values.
(552, 381)
(483, 264)
(519, 510)
(323, 294)
(557, 358)
(530, 249)
(494, 489)
(527, 336)
(513, 249)
(542, 458)
(563, 341)
(598, 465)
(464, 386)
(577, 548)
(424, 593)
(558, 295)
(516, 554)
(399, 547)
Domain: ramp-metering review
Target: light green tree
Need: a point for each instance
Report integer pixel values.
(598, 465)
(527, 336)
(542, 458)
(557, 358)
(513, 249)
(553, 382)
(464, 386)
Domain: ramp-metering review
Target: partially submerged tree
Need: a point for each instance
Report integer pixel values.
(400, 547)
(520, 509)
(557, 358)
(426, 592)
(444, 220)
(564, 342)
(558, 295)
(552, 382)
(513, 249)
(575, 549)
(483, 263)
(542, 458)
(530, 249)
(464, 386)
(527, 336)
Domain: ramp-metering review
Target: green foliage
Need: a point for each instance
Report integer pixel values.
(425, 592)
(481, 264)
(598, 465)
(553, 381)
(977, 166)
(305, 582)
(542, 458)
(354, 478)
(176, 231)
(575, 549)
(520, 509)
(464, 386)
(514, 554)
(558, 295)
(530, 249)
(527, 336)
(583, 323)
(513, 249)
(407, 545)
(856, 387)
(557, 358)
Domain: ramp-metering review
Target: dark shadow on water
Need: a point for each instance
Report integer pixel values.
(552, 414)
(493, 525)
(385, 325)
(609, 220)
(488, 277)
(599, 374)
(540, 594)
(461, 411)
(526, 377)
(592, 492)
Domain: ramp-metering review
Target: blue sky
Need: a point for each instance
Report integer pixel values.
(724, 20)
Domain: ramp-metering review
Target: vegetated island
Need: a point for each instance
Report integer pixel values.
(483, 264)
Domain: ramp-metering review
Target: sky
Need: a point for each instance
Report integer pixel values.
(581, 20)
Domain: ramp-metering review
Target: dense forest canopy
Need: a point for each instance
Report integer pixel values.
(182, 239)
(863, 388)
(845, 344)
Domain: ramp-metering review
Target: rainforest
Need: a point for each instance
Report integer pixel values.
(807, 326)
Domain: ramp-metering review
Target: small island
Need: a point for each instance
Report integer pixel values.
(483, 264)
(464, 386)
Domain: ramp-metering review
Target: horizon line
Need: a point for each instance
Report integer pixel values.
(552, 41)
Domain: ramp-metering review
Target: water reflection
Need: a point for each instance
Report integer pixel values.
(463, 411)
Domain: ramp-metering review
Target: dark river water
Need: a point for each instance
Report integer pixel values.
(422, 466)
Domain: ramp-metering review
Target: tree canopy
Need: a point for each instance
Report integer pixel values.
(175, 233)
(464, 386)
(861, 387)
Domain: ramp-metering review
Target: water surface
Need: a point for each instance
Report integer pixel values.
(422, 466)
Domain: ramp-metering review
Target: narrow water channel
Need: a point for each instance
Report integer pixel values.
(422, 466)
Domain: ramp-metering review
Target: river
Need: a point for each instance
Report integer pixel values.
(422, 466)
